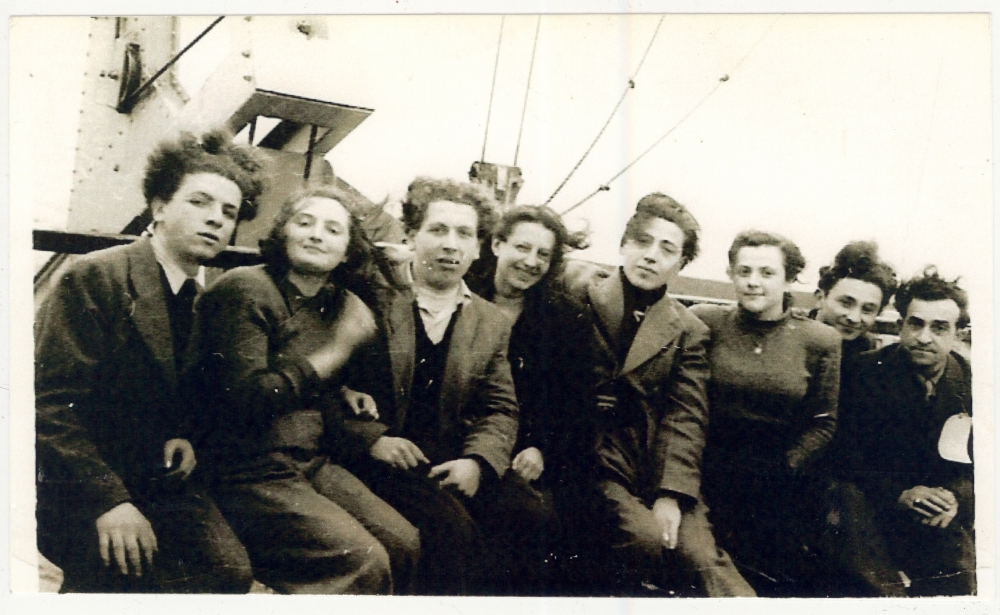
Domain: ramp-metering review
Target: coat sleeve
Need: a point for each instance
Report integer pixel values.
(819, 406)
(491, 435)
(680, 436)
(236, 327)
(74, 337)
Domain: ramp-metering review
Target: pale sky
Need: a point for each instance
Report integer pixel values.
(829, 128)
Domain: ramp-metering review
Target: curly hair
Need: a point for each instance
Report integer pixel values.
(859, 260)
(791, 256)
(565, 241)
(932, 287)
(425, 190)
(273, 248)
(211, 152)
(659, 205)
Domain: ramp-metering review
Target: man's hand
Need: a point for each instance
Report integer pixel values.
(464, 474)
(360, 403)
(126, 533)
(186, 466)
(668, 515)
(942, 520)
(529, 464)
(928, 501)
(398, 452)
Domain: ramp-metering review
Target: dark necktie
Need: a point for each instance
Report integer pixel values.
(183, 315)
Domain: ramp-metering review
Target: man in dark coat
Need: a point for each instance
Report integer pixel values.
(907, 442)
(114, 449)
(651, 375)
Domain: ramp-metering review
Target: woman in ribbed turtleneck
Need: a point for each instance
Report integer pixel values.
(773, 403)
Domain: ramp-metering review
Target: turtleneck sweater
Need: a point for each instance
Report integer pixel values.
(774, 388)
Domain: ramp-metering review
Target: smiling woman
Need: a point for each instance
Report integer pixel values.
(773, 394)
(274, 344)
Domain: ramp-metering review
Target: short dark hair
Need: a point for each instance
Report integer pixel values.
(659, 205)
(273, 248)
(932, 287)
(211, 152)
(859, 260)
(481, 278)
(425, 190)
(792, 258)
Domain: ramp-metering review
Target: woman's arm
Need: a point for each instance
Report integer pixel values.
(819, 406)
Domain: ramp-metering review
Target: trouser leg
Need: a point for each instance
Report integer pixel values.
(301, 542)
(938, 561)
(858, 544)
(452, 549)
(701, 555)
(520, 526)
(197, 552)
(400, 539)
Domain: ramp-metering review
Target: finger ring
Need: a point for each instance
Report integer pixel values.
(917, 501)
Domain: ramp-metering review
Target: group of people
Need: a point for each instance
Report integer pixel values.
(484, 418)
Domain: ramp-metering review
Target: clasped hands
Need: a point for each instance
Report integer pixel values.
(463, 474)
(124, 533)
(936, 505)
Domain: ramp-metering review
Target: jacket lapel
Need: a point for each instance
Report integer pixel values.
(150, 313)
(659, 327)
(455, 379)
(608, 299)
(402, 347)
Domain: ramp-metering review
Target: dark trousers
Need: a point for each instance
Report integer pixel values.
(197, 551)
(487, 544)
(875, 546)
(638, 554)
(312, 527)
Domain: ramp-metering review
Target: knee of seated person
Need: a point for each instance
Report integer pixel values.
(372, 567)
(234, 578)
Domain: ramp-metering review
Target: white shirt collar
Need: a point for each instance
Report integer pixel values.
(175, 274)
(434, 302)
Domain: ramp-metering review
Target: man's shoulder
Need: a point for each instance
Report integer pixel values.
(689, 320)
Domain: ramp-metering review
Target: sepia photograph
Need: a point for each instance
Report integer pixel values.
(642, 305)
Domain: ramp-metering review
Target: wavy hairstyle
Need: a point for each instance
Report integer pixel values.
(274, 251)
(791, 256)
(659, 205)
(859, 260)
(932, 287)
(211, 152)
(565, 241)
(425, 190)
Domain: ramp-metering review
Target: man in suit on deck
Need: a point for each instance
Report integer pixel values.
(441, 452)
(906, 442)
(650, 380)
(114, 449)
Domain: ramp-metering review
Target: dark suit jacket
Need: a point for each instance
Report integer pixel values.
(479, 412)
(105, 382)
(653, 440)
(889, 432)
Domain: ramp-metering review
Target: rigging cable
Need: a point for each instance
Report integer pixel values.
(629, 86)
(489, 108)
(527, 88)
(606, 185)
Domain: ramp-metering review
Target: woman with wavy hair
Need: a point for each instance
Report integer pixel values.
(773, 403)
(275, 341)
(550, 359)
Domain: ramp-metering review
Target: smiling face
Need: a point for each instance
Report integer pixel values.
(524, 258)
(652, 257)
(929, 332)
(758, 274)
(445, 244)
(317, 236)
(850, 307)
(198, 220)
